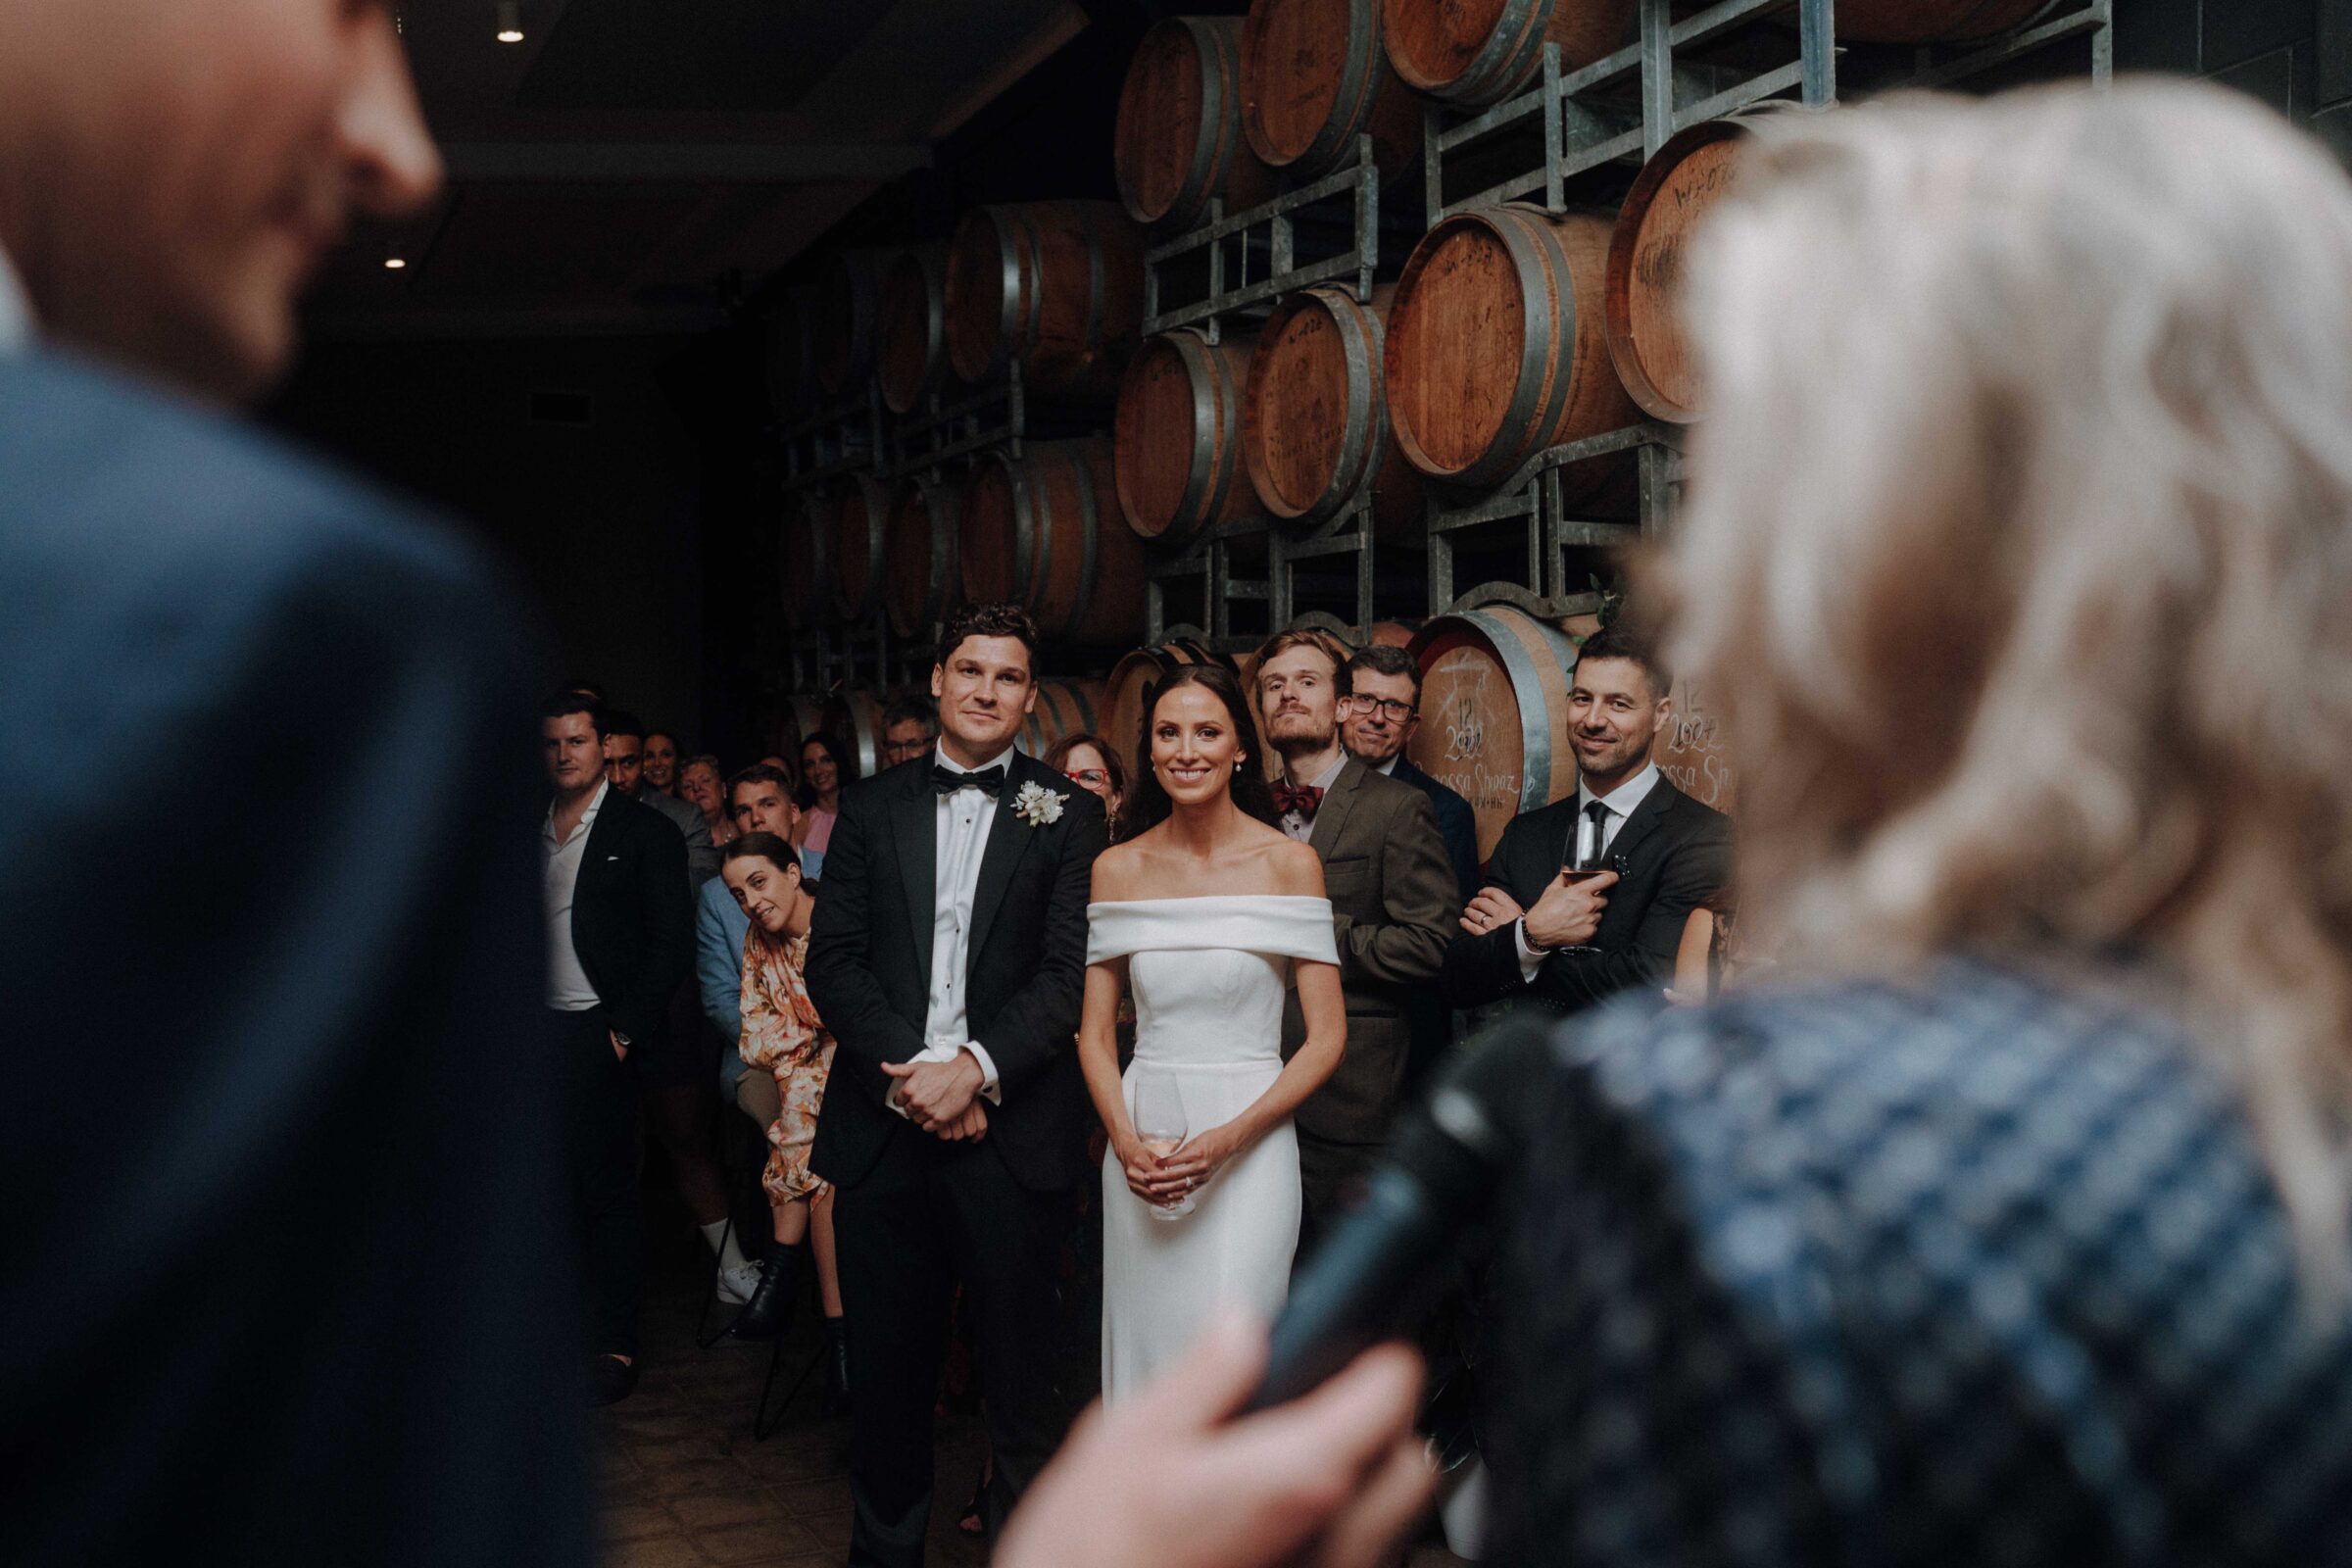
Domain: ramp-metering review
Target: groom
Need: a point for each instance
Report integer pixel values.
(948, 958)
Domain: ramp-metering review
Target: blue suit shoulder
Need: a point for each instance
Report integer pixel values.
(118, 487)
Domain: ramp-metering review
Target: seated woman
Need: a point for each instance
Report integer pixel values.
(783, 1035)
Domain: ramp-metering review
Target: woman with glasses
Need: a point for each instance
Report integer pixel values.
(1091, 764)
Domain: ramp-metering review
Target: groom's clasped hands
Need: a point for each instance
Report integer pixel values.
(942, 1098)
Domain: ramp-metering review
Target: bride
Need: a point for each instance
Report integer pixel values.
(1209, 912)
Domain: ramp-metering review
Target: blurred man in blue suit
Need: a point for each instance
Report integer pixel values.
(277, 1197)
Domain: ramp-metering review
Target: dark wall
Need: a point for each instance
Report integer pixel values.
(602, 520)
(2270, 48)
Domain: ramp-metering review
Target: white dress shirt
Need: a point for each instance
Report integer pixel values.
(15, 311)
(1621, 803)
(568, 987)
(1302, 828)
(962, 824)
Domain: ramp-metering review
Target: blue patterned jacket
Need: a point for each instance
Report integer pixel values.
(1976, 1271)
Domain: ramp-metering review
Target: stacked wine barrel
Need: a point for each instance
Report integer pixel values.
(1508, 332)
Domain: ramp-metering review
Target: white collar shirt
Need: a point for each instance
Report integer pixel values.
(1297, 824)
(964, 818)
(568, 987)
(1387, 769)
(15, 311)
(1622, 801)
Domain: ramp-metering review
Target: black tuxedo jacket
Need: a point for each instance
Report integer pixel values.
(1457, 823)
(1677, 854)
(632, 915)
(869, 968)
(341, 955)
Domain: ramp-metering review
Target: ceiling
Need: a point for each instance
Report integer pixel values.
(631, 163)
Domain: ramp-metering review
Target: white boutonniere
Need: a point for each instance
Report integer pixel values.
(1037, 804)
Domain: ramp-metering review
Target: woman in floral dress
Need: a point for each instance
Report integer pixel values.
(782, 1033)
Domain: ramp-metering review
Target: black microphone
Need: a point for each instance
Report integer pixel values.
(1387, 1262)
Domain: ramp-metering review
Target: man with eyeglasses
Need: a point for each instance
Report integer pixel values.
(909, 727)
(1378, 721)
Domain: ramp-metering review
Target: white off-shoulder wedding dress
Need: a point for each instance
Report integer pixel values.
(1209, 976)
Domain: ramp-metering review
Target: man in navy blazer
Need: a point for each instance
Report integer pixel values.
(1563, 943)
(283, 1285)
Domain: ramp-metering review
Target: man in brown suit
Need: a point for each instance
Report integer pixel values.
(1393, 899)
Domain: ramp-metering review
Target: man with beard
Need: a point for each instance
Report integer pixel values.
(1392, 899)
(1539, 934)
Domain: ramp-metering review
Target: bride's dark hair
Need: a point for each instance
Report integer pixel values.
(1148, 804)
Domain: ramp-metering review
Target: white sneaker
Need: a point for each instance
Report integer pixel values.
(736, 1285)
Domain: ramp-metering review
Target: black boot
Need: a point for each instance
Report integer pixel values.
(768, 1313)
(837, 1368)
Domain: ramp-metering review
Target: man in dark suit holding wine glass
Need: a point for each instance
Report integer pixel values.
(1539, 933)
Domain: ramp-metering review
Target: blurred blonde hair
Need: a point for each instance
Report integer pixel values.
(2016, 559)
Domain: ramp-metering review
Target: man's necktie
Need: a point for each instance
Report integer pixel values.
(1598, 813)
(1305, 799)
(988, 782)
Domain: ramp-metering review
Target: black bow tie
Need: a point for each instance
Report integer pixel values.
(990, 781)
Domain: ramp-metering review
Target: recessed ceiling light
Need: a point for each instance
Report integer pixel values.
(393, 264)
(510, 21)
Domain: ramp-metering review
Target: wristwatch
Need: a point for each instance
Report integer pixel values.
(622, 1039)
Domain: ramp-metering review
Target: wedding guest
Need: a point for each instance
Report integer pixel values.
(702, 785)
(784, 1038)
(909, 724)
(1392, 897)
(762, 803)
(2009, 1222)
(827, 768)
(345, 943)
(1538, 936)
(1092, 765)
(948, 955)
(1377, 722)
(662, 760)
(624, 766)
(618, 940)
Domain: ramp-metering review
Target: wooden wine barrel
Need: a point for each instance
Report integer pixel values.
(1178, 139)
(1394, 633)
(911, 327)
(1177, 440)
(1494, 713)
(1648, 258)
(1057, 286)
(1315, 78)
(1472, 52)
(1914, 21)
(1497, 344)
(847, 300)
(860, 517)
(1130, 686)
(1315, 420)
(790, 720)
(920, 546)
(1043, 532)
(803, 541)
(854, 713)
(1063, 707)
(792, 389)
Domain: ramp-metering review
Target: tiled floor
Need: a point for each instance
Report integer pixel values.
(684, 1485)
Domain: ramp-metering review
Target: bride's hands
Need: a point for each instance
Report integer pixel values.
(1203, 1155)
(1147, 1173)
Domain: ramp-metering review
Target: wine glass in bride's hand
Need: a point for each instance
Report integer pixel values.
(1160, 1127)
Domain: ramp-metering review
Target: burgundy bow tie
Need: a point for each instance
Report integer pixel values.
(1305, 799)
